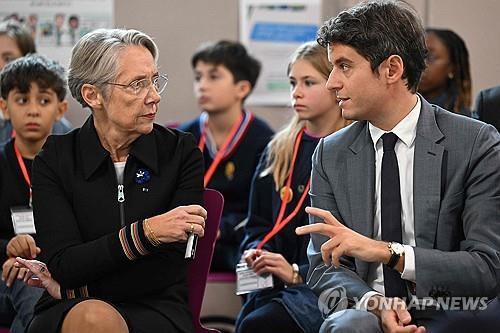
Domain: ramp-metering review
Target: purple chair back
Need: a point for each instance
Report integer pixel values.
(199, 267)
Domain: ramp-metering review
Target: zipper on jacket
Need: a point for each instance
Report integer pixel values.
(121, 200)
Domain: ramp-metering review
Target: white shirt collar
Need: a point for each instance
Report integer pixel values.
(406, 129)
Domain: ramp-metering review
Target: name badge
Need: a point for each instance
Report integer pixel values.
(248, 281)
(22, 220)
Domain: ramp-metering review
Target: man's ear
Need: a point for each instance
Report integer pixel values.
(5, 110)
(62, 108)
(394, 69)
(243, 89)
(92, 96)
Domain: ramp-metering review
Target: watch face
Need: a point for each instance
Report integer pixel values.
(398, 248)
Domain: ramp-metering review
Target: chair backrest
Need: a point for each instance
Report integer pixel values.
(199, 267)
(172, 124)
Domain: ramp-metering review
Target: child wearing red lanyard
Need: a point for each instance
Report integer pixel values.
(16, 41)
(278, 197)
(230, 137)
(33, 96)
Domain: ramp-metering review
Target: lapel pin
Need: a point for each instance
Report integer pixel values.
(142, 176)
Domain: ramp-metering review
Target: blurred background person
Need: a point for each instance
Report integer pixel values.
(487, 106)
(230, 137)
(16, 42)
(33, 95)
(446, 81)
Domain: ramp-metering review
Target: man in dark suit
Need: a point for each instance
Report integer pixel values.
(409, 194)
(487, 106)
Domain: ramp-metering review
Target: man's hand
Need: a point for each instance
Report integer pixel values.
(343, 241)
(22, 246)
(393, 314)
(10, 272)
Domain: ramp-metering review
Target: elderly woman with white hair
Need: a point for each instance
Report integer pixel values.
(115, 200)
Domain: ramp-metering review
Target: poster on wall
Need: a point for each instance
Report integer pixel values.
(57, 25)
(272, 30)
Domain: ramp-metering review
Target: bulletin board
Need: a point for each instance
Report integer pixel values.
(56, 25)
(272, 30)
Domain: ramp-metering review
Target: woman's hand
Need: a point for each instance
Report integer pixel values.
(39, 276)
(176, 224)
(274, 263)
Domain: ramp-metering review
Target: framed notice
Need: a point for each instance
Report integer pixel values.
(272, 30)
(56, 25)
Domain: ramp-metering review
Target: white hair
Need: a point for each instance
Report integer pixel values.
(94, 58)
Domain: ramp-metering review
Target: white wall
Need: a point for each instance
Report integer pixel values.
(179, 26)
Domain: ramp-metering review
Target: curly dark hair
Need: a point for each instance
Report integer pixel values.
(377, 30)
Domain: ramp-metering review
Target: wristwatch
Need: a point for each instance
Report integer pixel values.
(397, 251)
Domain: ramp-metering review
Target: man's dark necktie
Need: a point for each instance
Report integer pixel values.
(391, 212)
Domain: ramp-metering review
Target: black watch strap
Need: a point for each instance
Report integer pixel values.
(393, 261)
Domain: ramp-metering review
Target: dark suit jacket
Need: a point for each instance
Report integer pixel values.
(456, 198)
(487, 106)
(78, 217)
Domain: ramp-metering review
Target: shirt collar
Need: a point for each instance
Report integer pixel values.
(93, 153)
(406, 129)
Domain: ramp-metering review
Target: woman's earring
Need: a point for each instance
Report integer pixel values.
(450, 76)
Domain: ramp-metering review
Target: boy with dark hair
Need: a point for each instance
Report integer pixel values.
(234, 57)
(33, 96)
(230, 137)
(16, 42)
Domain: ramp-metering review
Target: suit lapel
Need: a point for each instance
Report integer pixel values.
(427, 176)
(361, 188)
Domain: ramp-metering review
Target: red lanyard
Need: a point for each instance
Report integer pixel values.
(280, 222)
(220, 154)
(20, 161)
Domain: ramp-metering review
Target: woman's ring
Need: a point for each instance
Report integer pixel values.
(192, 228)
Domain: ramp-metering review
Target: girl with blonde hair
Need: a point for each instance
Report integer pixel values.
(277, 200)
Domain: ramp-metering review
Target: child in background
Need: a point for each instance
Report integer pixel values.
(33, 97)
(230, 137)
(281, 182)
(16, 42)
